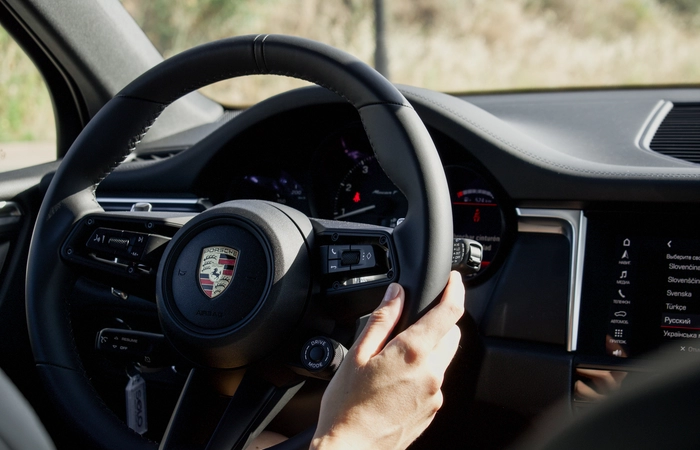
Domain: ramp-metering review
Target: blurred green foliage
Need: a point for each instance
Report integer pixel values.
(174, 25)
(683, 6)
(452, 45)
(25, 106)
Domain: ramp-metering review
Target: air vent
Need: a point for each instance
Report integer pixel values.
(188, 205)
(678, 134)
(154, 156)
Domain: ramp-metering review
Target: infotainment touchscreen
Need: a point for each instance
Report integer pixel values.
(641, 285)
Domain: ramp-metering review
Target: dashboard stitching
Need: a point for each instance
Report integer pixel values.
(544, 160)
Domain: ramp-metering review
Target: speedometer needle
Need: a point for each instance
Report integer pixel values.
(356, 212)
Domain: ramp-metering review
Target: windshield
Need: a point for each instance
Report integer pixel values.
(454, 46)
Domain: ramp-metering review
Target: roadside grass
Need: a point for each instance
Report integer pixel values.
(462, 45)
(506, 44)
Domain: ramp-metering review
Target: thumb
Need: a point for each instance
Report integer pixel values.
(380, 324)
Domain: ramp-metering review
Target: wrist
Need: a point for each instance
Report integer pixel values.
(327, 442)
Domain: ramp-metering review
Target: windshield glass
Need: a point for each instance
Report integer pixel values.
(454, 46)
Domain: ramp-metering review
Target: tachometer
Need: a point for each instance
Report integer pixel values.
(366, 195)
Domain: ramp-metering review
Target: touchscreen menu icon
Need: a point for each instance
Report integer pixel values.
(617, 337)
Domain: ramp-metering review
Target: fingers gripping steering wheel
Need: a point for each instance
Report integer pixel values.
(278, 249)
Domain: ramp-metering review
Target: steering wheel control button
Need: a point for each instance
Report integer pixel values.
(336, 251)
(321, 356)
(350, 258)
(334, 258)
(102, 238)
(336, 265)
(366, 257)
(343, 258)
(124, 244)
(118, 243)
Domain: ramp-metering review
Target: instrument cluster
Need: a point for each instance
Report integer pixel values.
(343, 181)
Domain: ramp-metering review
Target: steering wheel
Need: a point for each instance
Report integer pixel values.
(271, 271)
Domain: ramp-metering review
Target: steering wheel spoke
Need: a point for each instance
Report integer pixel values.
(354, 256)
(122, 249)
(225, 409)
(354, 263)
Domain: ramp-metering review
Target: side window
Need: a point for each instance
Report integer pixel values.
(27, 127)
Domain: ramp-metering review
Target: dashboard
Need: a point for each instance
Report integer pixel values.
(591, 254)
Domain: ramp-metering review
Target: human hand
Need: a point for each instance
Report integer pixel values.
(385, 396)
(603, 383)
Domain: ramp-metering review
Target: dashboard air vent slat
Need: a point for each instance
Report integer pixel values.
(154, 156)
(678, 134)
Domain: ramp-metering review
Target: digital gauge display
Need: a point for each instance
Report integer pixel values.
(475, 210)
(365, 194)
(273, 185)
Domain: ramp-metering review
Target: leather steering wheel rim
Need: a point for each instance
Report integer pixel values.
(401, 142)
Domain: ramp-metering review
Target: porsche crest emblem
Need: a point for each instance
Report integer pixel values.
(216, 269)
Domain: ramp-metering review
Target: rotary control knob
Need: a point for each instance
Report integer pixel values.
(321, 356)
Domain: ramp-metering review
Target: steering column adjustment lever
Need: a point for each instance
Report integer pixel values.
(467, 255)
(148, 349)
(321, 357)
